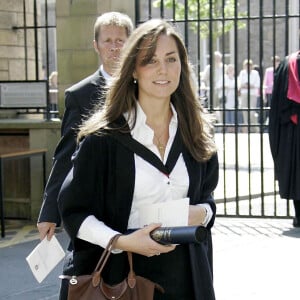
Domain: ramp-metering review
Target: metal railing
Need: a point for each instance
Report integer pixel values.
(241, 31)
(37, 27)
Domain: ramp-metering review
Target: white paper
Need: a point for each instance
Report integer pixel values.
(44, 257)
(170, 213)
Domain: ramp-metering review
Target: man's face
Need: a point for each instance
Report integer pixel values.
(110, 41)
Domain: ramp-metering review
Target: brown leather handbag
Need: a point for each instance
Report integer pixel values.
(92, 287)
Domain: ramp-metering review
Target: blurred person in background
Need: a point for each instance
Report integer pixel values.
(284, 130)
(53, 92)
(217, 85)
(233, 116)
(268, 84)
(249, 83)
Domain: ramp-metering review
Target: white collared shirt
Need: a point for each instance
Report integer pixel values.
(151, 185)
(107, 77)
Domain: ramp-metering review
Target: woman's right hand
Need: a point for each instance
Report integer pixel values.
(140, 242)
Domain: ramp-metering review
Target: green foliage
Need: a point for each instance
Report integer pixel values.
(201, 11)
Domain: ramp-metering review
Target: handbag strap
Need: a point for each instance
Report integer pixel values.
(105, 254)
(131, 275)
(103, 259)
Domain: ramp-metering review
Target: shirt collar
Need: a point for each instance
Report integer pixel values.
(142, 132)
(106, 76)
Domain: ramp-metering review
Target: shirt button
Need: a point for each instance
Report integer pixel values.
(168, 182)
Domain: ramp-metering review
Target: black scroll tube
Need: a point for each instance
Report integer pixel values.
(179, 235)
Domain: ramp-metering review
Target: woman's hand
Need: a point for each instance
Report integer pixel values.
(140, 242)
(197, 215)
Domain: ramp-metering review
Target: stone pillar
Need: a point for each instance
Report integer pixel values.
(75, 33)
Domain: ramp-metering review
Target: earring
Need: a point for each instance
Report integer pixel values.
(134, 80)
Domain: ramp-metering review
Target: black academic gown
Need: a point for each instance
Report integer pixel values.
(284, 135)
(102, 181)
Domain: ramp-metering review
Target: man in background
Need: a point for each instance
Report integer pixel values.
(111, 30)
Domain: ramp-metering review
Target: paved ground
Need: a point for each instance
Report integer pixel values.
(18, 231)
(254, 259)
(17, 281)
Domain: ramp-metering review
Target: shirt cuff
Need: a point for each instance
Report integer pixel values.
(96, 232)
(209, 213)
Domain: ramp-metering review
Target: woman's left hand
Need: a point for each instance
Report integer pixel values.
(139, 241)
(197, 215)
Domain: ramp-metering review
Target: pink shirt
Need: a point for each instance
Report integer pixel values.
(268, 80)
(293, 82)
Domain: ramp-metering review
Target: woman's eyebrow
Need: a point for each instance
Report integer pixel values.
(169, 53)
(172, 52)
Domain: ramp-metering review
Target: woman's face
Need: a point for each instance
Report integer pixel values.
(230, 70)
(159, 78)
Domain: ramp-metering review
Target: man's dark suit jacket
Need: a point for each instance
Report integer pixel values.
(80, 100)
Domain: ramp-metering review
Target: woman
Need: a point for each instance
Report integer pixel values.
(232, 114)
(151, 143)
(249, 83)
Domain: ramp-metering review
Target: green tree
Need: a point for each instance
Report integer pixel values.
(222, 12)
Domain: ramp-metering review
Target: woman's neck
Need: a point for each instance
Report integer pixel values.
(158, 114)
(158, 117)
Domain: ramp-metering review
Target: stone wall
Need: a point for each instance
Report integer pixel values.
(13, 54)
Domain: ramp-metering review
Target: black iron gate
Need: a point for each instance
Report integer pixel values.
(34, 25)
(233, 38)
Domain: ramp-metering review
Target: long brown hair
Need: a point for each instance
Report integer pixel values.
(194, 124)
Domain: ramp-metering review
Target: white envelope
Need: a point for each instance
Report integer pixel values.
(44, 257)
(170, 213)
